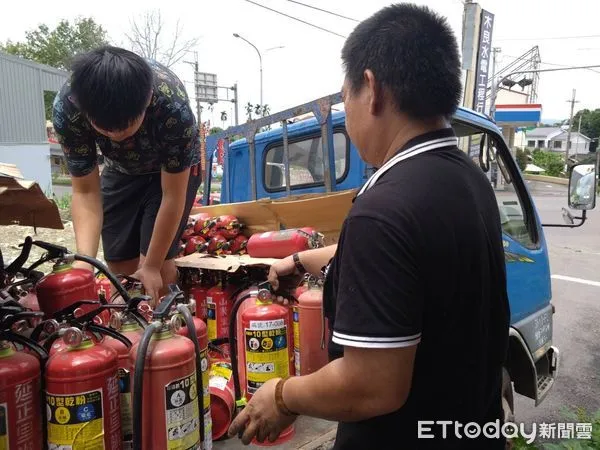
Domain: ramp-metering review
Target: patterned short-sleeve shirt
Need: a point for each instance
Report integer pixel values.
(168, 138)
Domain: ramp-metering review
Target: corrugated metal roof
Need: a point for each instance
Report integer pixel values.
(22, 86)
(543, 132)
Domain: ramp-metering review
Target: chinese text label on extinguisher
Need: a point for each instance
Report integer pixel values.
(266, 352)
(182, 414)
(126, 412)
(75, 420)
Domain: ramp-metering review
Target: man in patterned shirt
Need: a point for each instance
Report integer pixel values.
(137, 113)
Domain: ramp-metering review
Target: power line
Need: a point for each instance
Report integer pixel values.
(553, 64)
(299, 20)
(547, 38)
(324, 10)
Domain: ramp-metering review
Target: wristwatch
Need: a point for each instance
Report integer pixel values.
(298, 263)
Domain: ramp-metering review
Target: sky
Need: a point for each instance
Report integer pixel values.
(309, 66)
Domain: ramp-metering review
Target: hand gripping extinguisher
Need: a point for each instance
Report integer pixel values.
(281, 244)
(21, 409)
(82, 390)
(167, 378)
(267, 336)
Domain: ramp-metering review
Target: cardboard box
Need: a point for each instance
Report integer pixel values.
(24, 203)
(324, 212)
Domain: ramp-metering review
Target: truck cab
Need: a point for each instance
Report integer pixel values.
(315, 155)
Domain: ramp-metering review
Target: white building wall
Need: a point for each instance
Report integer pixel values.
(33, 160)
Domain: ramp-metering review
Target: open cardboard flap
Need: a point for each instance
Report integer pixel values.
(24, 203)
(324, 212)
(227, 263)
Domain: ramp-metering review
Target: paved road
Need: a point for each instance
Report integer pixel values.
(574, 253)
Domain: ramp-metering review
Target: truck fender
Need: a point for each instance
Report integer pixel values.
(520, 365)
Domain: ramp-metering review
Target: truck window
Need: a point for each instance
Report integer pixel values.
(512, 213)
(306, 162)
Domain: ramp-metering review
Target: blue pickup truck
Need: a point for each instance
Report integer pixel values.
(315, 155)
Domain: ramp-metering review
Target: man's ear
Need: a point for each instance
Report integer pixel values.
(374, 92)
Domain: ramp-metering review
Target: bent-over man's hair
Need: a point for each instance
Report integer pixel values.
(111, 86)
(413, 53)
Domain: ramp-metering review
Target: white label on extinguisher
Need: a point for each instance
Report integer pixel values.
(182, 413)
(267, 354)
(4, 426)
(75, 420)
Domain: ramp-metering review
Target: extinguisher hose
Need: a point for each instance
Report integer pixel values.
(233, 343)
(138, 382)
(189, 322)
(98, 265)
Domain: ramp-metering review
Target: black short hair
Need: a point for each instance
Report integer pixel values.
(413, 53)
(111, 86)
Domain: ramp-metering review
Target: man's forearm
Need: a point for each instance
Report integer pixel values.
(326, 394)
(165, 227)
(86, 209)
(314, 260)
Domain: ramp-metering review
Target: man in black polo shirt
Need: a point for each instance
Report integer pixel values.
(415, 290)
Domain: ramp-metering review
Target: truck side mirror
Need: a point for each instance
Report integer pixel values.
(582, 187)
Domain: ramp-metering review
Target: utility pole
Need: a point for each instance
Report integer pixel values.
(572, 101)
(495, 51)
(235, 103)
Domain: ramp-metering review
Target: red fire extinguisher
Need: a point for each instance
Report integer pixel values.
(267, 337)
(195, 244)
(21, 411)
(64, 286)
(229, 226)
(222, 397)
(198, 291)
(238, 245)
(218, 308)
(310, 353)
(167, 375)
(280, 244)
(130, 323)
(82, 395)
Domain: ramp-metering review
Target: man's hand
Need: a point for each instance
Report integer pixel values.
(284, 278)
(261, 417)
(152, 282)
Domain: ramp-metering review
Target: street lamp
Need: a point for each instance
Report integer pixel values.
(260, 62)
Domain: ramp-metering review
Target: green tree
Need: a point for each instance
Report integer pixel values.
(552, 163)
(56, 47)
(521, 157)
(590, 123)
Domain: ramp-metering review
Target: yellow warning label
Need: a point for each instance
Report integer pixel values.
(266, 352)
(75, 421)
(3, 426)
(205, 378)
(182, 413)
(296, 327)
(211, 318)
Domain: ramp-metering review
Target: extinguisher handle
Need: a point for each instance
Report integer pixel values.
(54, 251)
(13, 314)
(89, 316)
(110, 332)
(69, 311)
(14, 337)
(20, 260)
(9, 302)
(163, 309)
